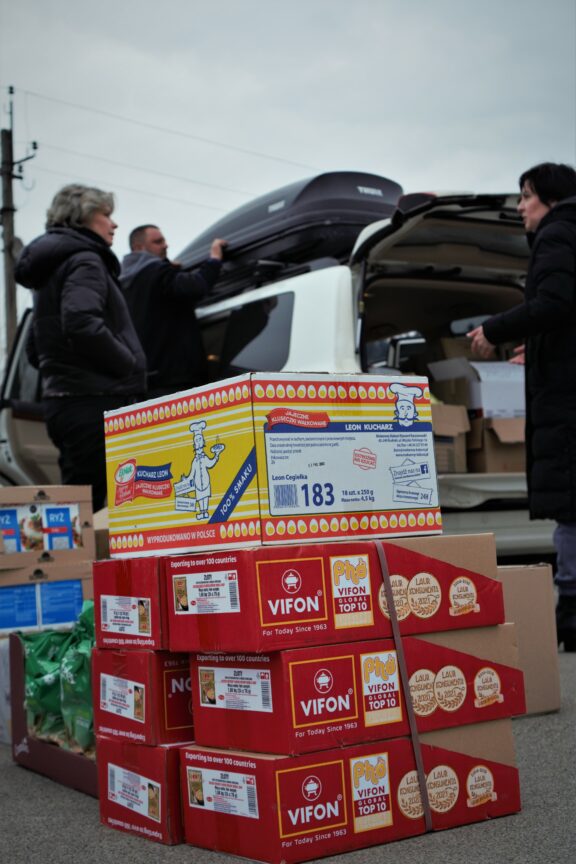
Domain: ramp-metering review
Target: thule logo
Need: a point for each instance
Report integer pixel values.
(278, 205)
(368, 190)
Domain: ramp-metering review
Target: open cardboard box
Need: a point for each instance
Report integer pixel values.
(496, 445)
(63, 766)
(450, 424)
(496, 389)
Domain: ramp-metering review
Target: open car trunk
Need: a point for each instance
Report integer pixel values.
(437, 269)
(442, 264)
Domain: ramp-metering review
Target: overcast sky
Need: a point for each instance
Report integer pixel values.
(186, 109)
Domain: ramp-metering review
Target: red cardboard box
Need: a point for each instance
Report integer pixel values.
(129, 608)
(142, 696)
(139, 789)
(307, 699)
(286, 808)
(266, 599)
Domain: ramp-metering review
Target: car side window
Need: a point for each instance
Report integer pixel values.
(25, 385)
(254, 337)
(22, 381)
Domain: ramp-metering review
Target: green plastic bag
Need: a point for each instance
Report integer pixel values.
(76, 682)
(44, 653)
(58, 682)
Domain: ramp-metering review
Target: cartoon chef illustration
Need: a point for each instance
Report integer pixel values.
(405, 412)
(199, 476)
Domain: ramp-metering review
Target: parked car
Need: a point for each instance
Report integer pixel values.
(340, 273)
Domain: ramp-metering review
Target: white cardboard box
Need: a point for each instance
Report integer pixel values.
(494, 388)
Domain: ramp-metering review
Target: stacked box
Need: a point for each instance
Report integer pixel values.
(330, 692)
(139, 789)
(130, 609)
(142, 703)
(272, 459)
(300, 700)
(286, 808)
(46, 553)
(267, 598)
(48, 548)
(317, 578)
(142, 696)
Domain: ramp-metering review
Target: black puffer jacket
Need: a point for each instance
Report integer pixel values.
(82, 335)
(547, 323)
(162, 300)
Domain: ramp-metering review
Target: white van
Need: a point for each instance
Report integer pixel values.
(340, 273)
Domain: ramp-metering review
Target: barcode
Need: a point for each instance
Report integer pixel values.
(104, 610)
(233, 594)
(111, 779)
(266, 694)
(103, 682)
(286, 495)
(251, 800)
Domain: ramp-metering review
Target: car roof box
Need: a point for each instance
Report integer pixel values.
(316, 218)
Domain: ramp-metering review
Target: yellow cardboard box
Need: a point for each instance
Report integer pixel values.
(272, 458)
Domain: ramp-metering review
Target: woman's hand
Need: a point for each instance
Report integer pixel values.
(519, 355)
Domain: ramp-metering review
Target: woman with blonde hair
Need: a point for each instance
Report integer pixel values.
(82, 338)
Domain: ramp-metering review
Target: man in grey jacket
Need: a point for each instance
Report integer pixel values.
(162, 299)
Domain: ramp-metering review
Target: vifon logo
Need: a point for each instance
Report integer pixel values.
(291, 581)
(323, 681)
(311, 788)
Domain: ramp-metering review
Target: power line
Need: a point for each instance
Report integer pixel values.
(131, 189)
(145, 170)
(165, 130)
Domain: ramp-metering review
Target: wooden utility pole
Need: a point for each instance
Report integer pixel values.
(9, 167)
(8, 238)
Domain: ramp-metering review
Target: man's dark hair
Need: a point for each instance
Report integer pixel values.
(551, 181)
(137, 235)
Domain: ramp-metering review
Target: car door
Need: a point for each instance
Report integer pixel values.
(27, 455)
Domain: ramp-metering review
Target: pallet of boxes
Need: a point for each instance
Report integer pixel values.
(277, 560)
(45, 576)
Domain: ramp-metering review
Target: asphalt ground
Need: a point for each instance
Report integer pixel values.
(41, 821)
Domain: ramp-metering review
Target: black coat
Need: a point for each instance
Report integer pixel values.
(162, 299)
(82, 337)
(546, 321)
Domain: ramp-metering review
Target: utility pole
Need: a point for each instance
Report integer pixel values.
(7, 212)
(8, 238)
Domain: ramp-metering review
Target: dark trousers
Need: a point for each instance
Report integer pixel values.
(565, 543)
(76, 426)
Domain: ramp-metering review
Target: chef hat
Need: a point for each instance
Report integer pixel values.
(405, 393)
(198, 426)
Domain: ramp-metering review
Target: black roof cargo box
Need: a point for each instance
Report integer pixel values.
(316, 218)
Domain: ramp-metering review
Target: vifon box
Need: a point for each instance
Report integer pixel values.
(307, 699)
(142, 696)
(272, 459)
(139, 789)
(294, 808)
(268, 598)
(129, 604)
